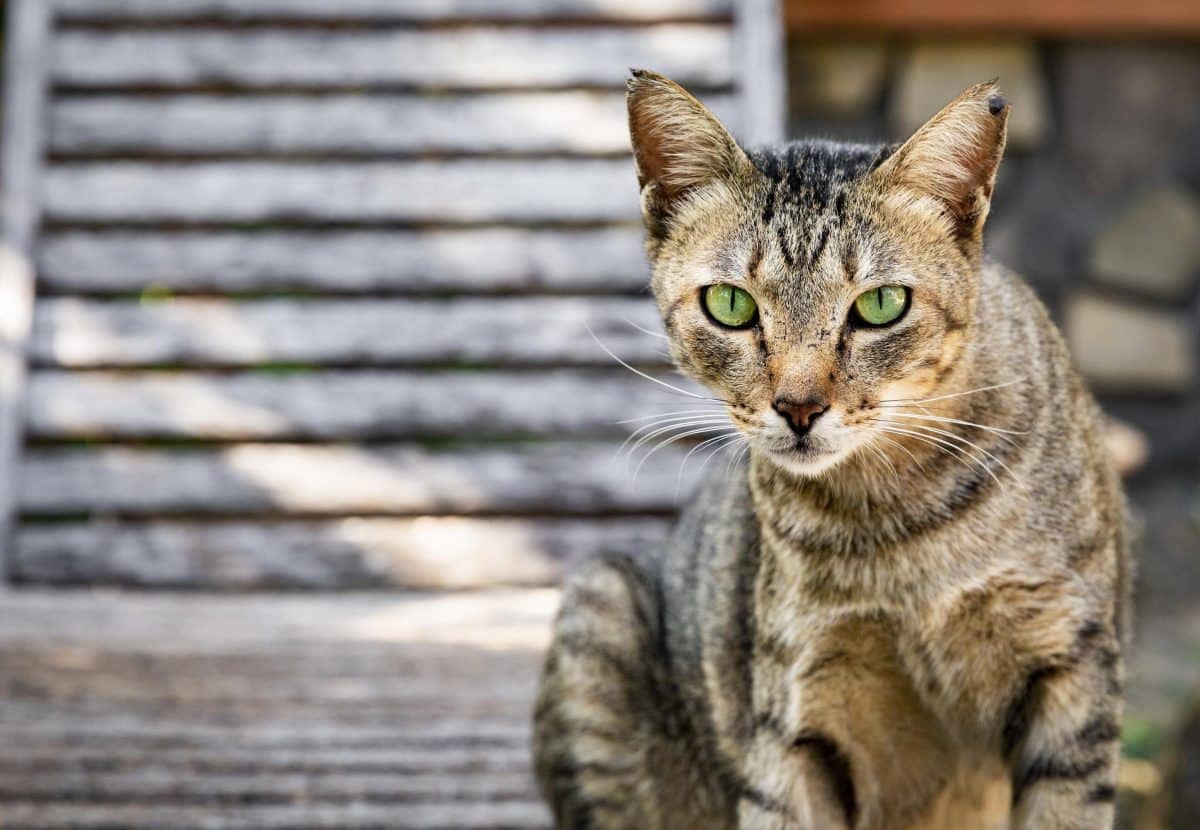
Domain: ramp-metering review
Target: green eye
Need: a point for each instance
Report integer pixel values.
(882, 305)
(730, 305)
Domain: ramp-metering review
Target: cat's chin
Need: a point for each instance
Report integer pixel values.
(804, 461)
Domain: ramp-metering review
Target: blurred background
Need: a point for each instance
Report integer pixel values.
(300, 417)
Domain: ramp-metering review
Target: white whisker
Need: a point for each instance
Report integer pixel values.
(957, 451)
(671, 439)
(879, 454)
(711, 425)
(642, 374)
(719, 448)
(946, 420)
(955, 394)
(695, 410)
(954, 436)
(682, 464)
(905, 450)
(645, 330)
(737, 457)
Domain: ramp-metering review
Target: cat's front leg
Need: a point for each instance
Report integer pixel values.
(1063, 738)
(795, 780)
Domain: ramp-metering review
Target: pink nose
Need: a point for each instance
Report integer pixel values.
(800, 415)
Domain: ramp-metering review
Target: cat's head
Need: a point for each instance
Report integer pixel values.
(806, 285)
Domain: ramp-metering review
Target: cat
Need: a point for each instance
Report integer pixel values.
(907, 606)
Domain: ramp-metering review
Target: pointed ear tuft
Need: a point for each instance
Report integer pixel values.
(677, 143)
(954, 156)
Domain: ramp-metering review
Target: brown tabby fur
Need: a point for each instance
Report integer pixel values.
(857, 628)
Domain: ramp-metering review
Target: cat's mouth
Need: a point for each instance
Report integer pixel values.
(806, 455)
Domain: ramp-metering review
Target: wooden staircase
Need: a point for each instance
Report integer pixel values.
(314, 281)
(295, 293)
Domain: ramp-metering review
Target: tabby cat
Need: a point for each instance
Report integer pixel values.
(906, 607)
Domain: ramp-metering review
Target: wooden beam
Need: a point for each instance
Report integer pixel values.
(20, 162)
(1171, 18)
(759, 71)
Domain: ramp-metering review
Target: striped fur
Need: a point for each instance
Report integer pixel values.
(911, 617)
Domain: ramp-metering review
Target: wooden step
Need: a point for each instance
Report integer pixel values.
(103, 261)
(300, 479)
(434, 11)
(695, 54)
(515, 815)
(202, 711)
(427, 552)
(360, 404)
(567, 122)
(467, 190)
(501, 331)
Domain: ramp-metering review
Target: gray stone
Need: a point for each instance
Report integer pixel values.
(1125, 110)
(1153, 246)
(933, 73)
(1174, 427)
(838, 78)
(1039, 222)
(1121, 347)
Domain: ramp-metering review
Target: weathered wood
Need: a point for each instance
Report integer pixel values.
(85, 755)
(69, 728)
(158, 785)
(439, 816)
(471, 57)
(466, 190)
(351, 404)
(21, 150)
(178, 625)
(760, 67)
(374, 11)
(475, 260)
(575, 121)
(70, 332)
(155, 710)
(578, 478)
(426, 552)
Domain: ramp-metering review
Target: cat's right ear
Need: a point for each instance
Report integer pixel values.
(678, 146)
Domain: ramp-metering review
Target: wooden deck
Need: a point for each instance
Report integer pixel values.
(309, 711)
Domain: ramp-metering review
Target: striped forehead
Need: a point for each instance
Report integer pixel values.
(807, 214)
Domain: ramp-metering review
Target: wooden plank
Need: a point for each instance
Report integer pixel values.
(378, 788)
(457, 57)
(174, 626)
(92, 816)
(576, 122)
(465, 190)
(71, 728)
(80, 333)
(577, 478)
(156, 785)
(374, 11)
(351, 404)
(447, 260)
(1059, 18)
(264, 691)
(83, 755)
(429, 552)
(21, 147)
(761, 70)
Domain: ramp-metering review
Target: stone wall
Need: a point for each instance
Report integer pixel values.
(1098, 200)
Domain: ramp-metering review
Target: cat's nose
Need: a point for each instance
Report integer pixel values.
(800, 415)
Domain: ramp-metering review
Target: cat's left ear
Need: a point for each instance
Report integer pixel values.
(678, 146)
(950, 163)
